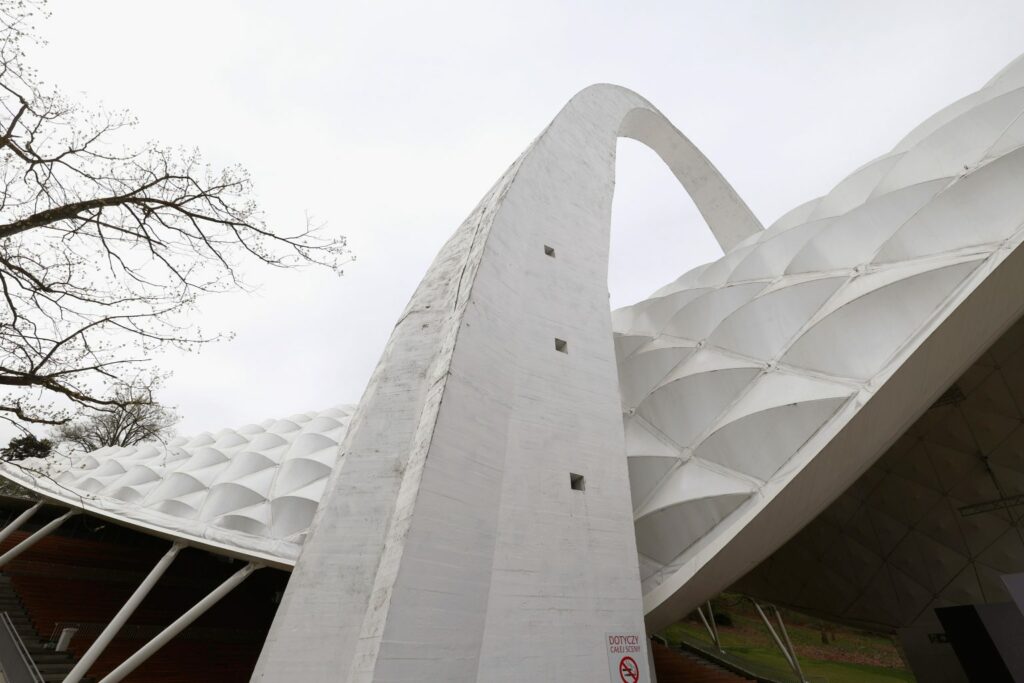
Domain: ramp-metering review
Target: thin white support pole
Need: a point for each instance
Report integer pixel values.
(115, 625)
(789, 644)
(18, 521)
(775, 637)
(788, 652)
(714, 626)
(714, 638)
(27, 543)
(179, 625)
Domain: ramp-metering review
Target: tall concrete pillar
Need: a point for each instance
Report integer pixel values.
(480, 525)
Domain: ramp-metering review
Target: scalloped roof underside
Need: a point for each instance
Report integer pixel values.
(251, 490)
(736, 374)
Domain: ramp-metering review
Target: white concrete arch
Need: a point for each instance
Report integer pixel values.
(729, 218)
(468, 369)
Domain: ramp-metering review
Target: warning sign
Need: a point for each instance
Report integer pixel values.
(627, 661)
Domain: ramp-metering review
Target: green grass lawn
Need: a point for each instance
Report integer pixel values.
(832, 672)
(852, 656)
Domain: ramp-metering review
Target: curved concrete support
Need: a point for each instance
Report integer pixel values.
(728, 216)
(450, 517)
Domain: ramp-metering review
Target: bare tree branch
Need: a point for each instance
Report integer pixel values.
(134, 418)
(105, 247)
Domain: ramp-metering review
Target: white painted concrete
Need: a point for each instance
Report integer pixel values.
(461, 551)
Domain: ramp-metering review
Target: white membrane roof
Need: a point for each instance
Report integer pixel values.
(743, 373)
(250, 491)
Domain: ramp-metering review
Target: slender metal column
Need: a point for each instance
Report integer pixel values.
(18, 521)
(179, 625)
(789, 653)
(789, 644)
(714, 625)
(707, 627)
(712, 630)
(35, 538)
(115, 625)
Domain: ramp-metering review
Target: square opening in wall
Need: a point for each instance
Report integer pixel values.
(561, 345)
(549, 251)
(577, 482)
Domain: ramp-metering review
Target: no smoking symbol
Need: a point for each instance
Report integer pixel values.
(629, 672)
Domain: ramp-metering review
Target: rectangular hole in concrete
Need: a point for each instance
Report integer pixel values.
(561, 345)
(549, 251)
(577, 482)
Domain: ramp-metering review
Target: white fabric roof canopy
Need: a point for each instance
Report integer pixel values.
(249, 492)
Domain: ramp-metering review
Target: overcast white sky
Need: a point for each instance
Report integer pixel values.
(390, 120)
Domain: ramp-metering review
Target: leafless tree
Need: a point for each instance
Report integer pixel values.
(136, 417)
(105, 246)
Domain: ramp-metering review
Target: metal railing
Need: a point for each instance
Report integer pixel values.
(206, 634)
(15, 660)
